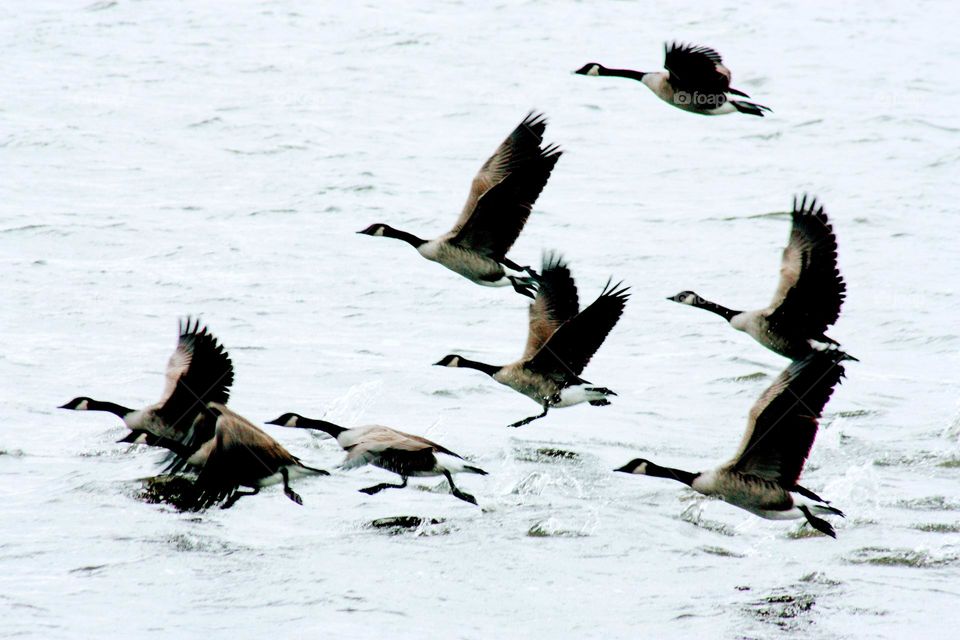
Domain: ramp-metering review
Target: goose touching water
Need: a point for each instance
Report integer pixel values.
(230, 452)
(198, 372)
(762, 477)
(808, 298)
(402, 453)
(500, 200)
(695, 81)
(561, 341)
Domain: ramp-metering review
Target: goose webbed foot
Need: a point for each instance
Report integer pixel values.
(236, 495)
(523, 286)
(819, 524)
(377, 488)
(466, 497)
(531, 418)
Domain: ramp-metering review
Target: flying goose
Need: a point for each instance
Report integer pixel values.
(809, 295)
(696, 81)
(560, 343)
(762, 477)
(402, 453)
(234, 453)
(198, 372)
(500, 199)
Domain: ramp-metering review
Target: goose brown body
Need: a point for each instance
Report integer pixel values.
(405, 454)
(236, 453)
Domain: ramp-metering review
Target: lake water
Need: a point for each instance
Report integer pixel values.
(164, 159)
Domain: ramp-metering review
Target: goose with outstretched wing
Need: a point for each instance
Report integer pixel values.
(763, 477)
(808, 297)
(695, 80)
(561, 341)
(501, 198)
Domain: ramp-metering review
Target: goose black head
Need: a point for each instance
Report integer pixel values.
(451, 360)
(591, 69)
(637, 465)
(286, 420)
(686, 297)
(82, 403)
(377, 229)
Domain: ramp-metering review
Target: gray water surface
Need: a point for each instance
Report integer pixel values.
(164, 159)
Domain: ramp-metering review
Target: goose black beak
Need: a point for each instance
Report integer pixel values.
(625, 468)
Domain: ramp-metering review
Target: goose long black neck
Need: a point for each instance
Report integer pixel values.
(718, 309)
(329, 428)
(110, 407)
(622, 73)
(409, 238)
(686, 477)
(488, 369)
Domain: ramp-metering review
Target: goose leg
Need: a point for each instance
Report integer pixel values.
(377, 488)
(522, 286)
(546, 407)
(236, 495)
(819, 524)
(290, 493)
(466, 497)
(510, 264)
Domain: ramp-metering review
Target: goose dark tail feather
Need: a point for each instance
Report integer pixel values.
(476, 470)
(750, 108)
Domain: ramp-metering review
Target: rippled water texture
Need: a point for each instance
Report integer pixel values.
(165, 158)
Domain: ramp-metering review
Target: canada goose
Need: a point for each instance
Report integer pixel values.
(696, 81)
(233, 453)
(560, 343)
(198, 372)
(402, 453)
(762, 477)
(500, 199)
(809, 295)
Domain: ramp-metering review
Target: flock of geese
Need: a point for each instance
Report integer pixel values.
(228, 457)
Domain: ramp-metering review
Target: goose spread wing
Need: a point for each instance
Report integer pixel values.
(199, 372)
(555, 303)
(567, 352)
(521, 147)
(500, 213)
(697, 69)
(783, 422)
(811, 289)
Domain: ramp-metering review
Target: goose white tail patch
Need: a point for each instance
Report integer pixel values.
(450, 463)
(581, 393)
